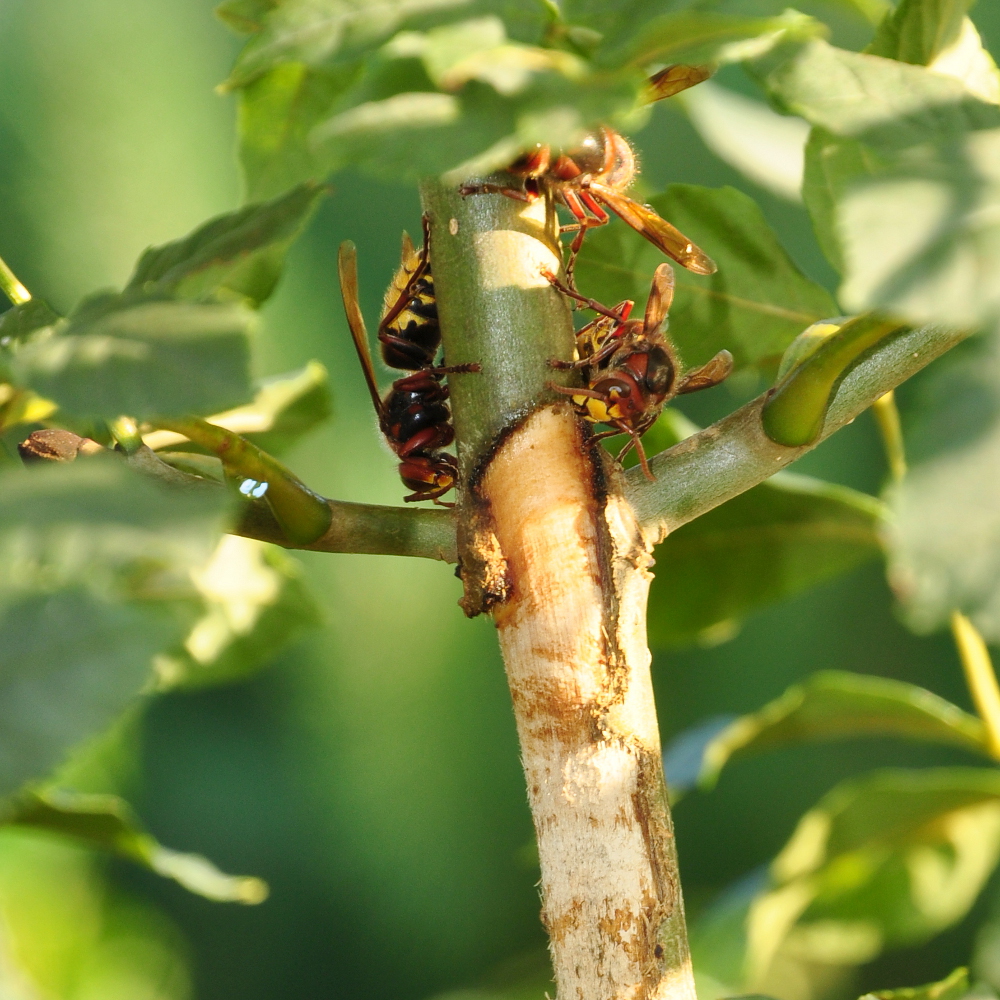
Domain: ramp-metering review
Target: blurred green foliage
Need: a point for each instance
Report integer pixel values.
(371, 776)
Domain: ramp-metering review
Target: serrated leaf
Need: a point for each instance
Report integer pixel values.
(889, 105)
(478, 49)
(95, 566)
(835, 704)
(107, 822)
(145, 357)
(952, 987)
(944, 537)
(415, 133)
(775, 540)
(323, 32)
(238, 255)
(754, 306)
(890, 858)
(256, 604)
(699, 37)
(904, 186)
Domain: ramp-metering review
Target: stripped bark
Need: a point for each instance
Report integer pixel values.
(573, 638)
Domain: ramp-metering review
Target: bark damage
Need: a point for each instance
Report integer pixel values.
(572, 630)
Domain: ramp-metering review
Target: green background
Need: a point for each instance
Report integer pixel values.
(371, 774)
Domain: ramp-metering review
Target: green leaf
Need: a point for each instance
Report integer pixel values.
(889, 105)
(903, 183)
(719, 938)
(245, 16)
(888, 859)
(284, 408)
(952, 987)
(918, 31)
(141, 356)
(95, 579)
(754, 306)
(18, 322)
(943, 538)
(277, 112)
(775, 540)
(417, 132)
(108, 823)
(236, 255)
(764, 146)
(323, 32)
(256, 604)
(692, 36)
(835, 704)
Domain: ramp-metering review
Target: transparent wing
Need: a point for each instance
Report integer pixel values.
(658, 231)
(711, 373)
(347, 268)
(673, 80)
(661, 296)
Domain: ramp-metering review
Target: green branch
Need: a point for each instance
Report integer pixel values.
(496, 309)
(352, 527)
(11, 287)
(735, 454)
(426, 533)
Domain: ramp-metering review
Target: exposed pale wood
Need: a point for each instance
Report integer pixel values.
(573, 639)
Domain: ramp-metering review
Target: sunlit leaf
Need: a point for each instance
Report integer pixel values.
(479, 49)
(890, 858)
(775, 540)
(256, 604)
(125, 354)
(284, 408)
(95, 566)
(835, 704)
(766, 147)
(921, 31)
(415, 133)
(108, 823)
(277, 113)
(702, 37)
(944, 538)
(903, 183)
(322, 32)
(413, 88)
(754, 306)
(245, 16)
(64, 924)
(952, 987)
(238, 255)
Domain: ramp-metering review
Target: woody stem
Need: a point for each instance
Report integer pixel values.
(549, 545)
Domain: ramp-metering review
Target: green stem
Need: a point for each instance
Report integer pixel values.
(887, 417)
(980, 677)
(422, 532)
(11, 287)
(496, 308)
(735, 453)
(547, 543)
(304, 516)
(353, 527)
(126, 432)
